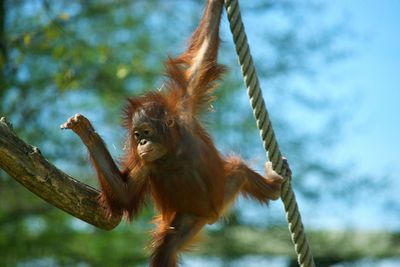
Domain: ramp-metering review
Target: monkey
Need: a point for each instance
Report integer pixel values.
(170, 158)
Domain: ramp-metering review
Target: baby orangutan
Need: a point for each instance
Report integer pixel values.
(170, 157)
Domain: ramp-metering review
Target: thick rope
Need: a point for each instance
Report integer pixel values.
(296, 228)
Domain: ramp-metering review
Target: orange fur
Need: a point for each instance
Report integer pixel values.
(188, 180)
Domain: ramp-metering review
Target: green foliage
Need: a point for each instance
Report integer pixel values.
(328, 247)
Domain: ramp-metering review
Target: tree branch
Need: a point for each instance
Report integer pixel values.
(25, 164)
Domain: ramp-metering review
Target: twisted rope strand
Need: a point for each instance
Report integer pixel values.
(267, 134)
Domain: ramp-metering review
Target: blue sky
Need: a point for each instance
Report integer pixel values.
(372, 76)
(373, 72)
(369, 83)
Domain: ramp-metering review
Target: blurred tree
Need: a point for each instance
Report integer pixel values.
(62, 57)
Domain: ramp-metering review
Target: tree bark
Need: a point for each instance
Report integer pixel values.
(25, 164)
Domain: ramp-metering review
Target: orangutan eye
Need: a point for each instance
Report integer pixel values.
(170, 122)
